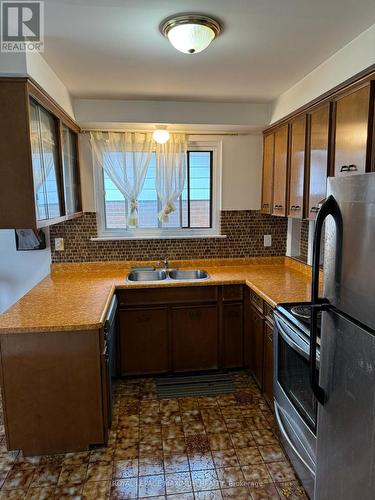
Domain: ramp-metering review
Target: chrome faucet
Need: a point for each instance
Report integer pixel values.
(164, 262)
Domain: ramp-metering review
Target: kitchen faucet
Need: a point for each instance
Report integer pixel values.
(165, 263)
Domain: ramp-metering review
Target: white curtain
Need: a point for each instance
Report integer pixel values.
(125, 157)
(170, 173)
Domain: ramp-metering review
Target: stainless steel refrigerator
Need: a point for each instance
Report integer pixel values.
(345, 387)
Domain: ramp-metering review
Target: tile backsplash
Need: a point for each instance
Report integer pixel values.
(304, 242)
(244, 229)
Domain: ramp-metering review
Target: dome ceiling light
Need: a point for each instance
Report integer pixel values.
(160, 135)
(190, 33)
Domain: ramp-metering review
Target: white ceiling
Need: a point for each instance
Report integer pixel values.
(113, 48)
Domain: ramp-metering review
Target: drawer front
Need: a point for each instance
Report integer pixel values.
(256, 301)
(172, 295)
(268, 312)
(232, 293)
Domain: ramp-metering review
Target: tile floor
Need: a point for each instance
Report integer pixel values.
(205, 448)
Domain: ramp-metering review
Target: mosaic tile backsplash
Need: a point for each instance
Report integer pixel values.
(304, 240)
(244, 229)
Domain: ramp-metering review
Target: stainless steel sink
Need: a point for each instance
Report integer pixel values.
(162, 275)
(157, 275)
(194, 274)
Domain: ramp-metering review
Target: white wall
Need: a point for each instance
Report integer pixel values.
(41, 72)
(19, 271)
(356, 56)
(241, 172)
(104, 113)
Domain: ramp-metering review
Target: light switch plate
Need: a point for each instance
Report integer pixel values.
(59, 244)
(267, 240)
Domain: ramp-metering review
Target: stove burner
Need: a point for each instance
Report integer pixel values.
(301, 311)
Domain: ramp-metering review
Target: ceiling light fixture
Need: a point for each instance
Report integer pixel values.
(160, 135)
(190, 33)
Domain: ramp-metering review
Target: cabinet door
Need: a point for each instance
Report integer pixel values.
(297, 167)
(232, 356)
(50, 155)
(319, 130)
(37, 163)
(72, 186)
(268, 364)
(256, 347)
(280, 171)
(267, 176)
(351, 132)
(194, 338)
(144, 341)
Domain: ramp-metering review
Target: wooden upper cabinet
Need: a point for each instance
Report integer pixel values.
(352, 138)
(267, 177)
(297, 167)
(280, 171)
(318, 159)
(40, 186)
(45, 163)
(72, 184)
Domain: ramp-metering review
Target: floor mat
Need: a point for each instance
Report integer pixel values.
(194, 385)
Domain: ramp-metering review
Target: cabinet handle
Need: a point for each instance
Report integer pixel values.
(344, 168)
(314, 209)
(352, 168)
(293, 207)
(265, 205)
(278, 206)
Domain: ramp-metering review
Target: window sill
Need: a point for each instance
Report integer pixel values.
(176, 237)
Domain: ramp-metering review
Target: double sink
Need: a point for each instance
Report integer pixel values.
(162, 275)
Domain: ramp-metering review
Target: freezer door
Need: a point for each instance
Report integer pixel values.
(346, 422)
(349, 280)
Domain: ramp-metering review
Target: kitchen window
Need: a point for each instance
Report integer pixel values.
(196, 213)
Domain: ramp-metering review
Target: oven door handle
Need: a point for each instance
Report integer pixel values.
(304, 351)
(287, 438)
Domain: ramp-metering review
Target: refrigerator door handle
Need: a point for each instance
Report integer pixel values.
(328, 207)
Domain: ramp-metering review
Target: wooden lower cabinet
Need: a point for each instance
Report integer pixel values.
(258, 343)
(181, 329)
(144, 340)
(256, 346)
(232, 325)
(268, 363)
(53, 391)
(194, 338)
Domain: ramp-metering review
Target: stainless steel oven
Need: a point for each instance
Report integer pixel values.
(295, 403)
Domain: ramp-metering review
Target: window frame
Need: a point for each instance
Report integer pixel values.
(215, 147)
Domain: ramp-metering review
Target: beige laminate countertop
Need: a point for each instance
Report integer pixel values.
(77, 296)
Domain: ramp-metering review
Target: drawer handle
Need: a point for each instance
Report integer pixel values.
(352, 168)
(295, 207)
(265, 205)
(278, 206)
(314, 209)
(344, 168)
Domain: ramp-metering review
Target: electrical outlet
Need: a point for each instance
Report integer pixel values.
(267, 240)
(59, 244)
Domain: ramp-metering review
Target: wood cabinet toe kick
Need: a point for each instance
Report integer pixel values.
(52, 391)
